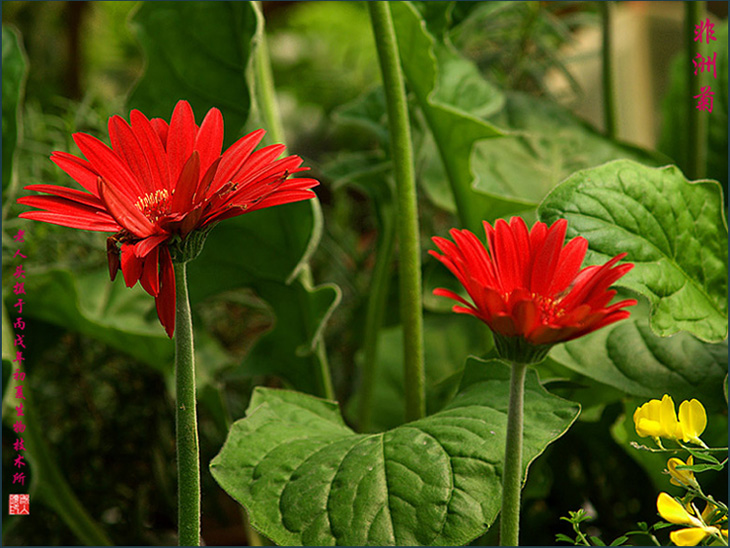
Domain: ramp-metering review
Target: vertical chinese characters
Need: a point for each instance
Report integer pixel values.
(18, 372)
(705, 30)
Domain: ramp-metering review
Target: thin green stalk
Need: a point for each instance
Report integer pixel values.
(696, 118)
(609, 99)
(266, 99)
(265, 95)
(188, 454)
(512, 479)
(408, 237)
(374, 318)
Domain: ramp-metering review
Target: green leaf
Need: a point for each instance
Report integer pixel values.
(89, 303)
(447, 339)
(629, 356)
(15, 70)
(307, 479)
(289, 349)
(454, 99)
(673, 230)
(198, 51)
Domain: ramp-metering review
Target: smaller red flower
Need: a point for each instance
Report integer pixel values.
(160, 188)
(529, 288)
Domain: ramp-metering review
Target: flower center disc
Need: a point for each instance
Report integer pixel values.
(154, 204)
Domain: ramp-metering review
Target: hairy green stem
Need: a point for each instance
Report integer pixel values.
(188, 454)
(696, 118)
(374, 318)
(264, 87)
(512, 478)
(408, 238)
(609, 99)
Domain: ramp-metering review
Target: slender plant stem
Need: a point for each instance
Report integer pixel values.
(266, 99)
(374, 317)
(696, 118)
(609, 99)
(512, 479)
(188, 455)
(408, 237)
(265, 85)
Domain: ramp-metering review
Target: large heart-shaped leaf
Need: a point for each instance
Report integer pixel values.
(629, 356)
(198, 51)
(14, 73)
(307, 479)
(673, 230)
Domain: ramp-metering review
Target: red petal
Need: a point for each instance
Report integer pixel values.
(127, 146)
(234, 158)
(506, 257)
(165, 301)
(65, 212)
(162, 129)
(571, 257)
(546, 258)
(187, 183)
(181, 138)
(522, 243)
(113, 170)
(83, 198)
(124, 212)
(80, 170)
(154, 149)
(143, 247)
(131, 265)
(209, 140)
(150, 278)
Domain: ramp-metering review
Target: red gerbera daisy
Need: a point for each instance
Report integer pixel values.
(529, 288)
(160, 188)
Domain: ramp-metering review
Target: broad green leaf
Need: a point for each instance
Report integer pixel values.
(289, 349)
(629, 356)
(674, 135)
(305, 478)
(447, 340)
(198, 51)
(673, 230)
(547, 143)
(89, 303)
(14, 73)
(453, 97)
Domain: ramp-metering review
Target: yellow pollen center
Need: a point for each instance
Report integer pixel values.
(154, 205)
(550, 309)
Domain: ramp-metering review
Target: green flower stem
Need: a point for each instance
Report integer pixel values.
(374, 318)
(408, 237)
(188, 455)
(609, 99)
(264, 87)
(512, 479)
(696, 118)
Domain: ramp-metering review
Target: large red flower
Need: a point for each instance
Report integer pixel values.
(158, 184)
(529, 288)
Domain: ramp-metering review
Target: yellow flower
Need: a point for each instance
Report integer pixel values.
(658, 419)
(693, 420)
(674, 512)
(682, 478)
(691, 537)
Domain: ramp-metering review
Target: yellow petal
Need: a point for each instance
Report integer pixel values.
(681, 477)
(688, 537)
(646, 419)
(692, 420)
(668, 419)
(674, 512)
